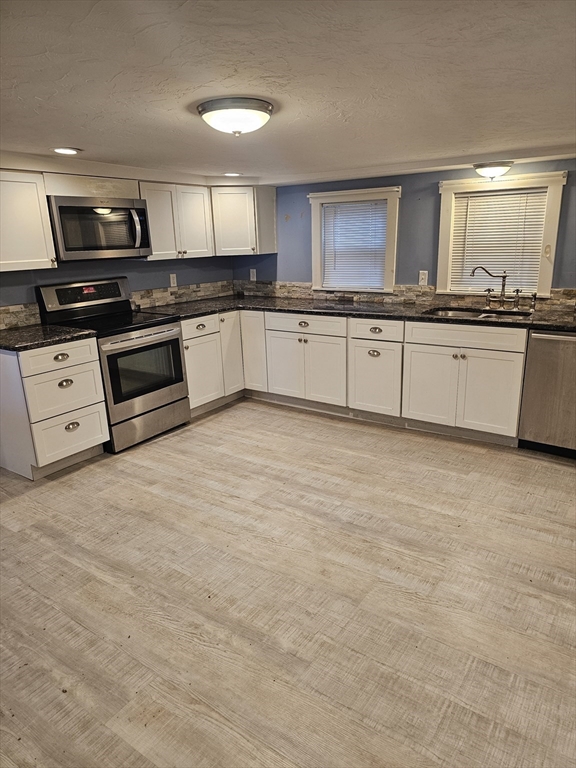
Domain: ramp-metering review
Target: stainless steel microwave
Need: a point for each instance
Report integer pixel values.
(99, 228)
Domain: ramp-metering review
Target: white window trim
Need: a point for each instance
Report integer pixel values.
(448, 189)
(392, 196)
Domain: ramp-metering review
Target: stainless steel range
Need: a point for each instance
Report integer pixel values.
(141, 354)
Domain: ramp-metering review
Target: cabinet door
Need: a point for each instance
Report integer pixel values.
(254, 350)
(25, 236)
(430, 383)
(203, 358)
(195, 217)
(325, 368)
(374, 376)
(489, 391)
(163, 219)
(234, 220)
(285, 354)
(231, 341)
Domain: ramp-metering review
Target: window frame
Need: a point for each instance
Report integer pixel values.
(553, 181)
(318, 199)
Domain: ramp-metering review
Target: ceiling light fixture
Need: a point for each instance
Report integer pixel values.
(493, 170)
(236, 115)
(232, 174)
(67, 150)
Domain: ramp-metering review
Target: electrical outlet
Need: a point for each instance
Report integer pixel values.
(173, 281)
(423, 277)
(253, 275)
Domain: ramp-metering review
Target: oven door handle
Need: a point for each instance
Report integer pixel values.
(137, 227)
(143, 341)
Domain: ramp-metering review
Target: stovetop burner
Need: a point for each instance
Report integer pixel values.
(108, 325)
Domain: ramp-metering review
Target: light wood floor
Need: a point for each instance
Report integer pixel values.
(268, 588)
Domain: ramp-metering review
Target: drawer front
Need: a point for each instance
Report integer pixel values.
(200, 326)
(319, 324)
(382, 330)
(56, 392)
(472, 336)
(69, 433)
(53, 358)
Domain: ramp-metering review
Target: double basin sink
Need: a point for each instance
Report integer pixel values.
(477, 314)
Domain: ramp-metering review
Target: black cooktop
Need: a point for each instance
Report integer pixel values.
(120, 322)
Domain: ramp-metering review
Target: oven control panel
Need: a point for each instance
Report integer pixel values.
(95, 292)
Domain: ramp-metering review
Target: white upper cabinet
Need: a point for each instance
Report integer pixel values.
(25, 235)
(244, 220)
(195, 218)
(180, 220)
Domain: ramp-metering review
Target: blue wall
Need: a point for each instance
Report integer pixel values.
(419, 219)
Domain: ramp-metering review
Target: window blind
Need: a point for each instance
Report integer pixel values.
(354, 244)
(499, 230)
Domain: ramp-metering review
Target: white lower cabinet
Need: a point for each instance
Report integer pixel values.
(231, 341)
(254, 350)
(203, 358)
(375, 376)
(307, 366)
(472, 388)
(285, 359)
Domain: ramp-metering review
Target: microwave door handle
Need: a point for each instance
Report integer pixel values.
(144, 341)
(137, 227)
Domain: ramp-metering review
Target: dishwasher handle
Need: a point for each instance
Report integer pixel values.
(554, 336)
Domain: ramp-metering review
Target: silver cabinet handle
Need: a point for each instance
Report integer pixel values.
(222, 319)
(72, 427)
(455, 355)
(61, 356)
(53, 262)
(375, 329)
(65, 383)
(184, 253)
(179, 253)
(303, 324)
(305, 341)
(462, 357)
(300, 340)
(374, 353)
(186, 346)
(200, 327)
(253, 249)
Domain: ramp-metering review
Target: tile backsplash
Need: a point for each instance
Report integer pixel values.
(18, 315)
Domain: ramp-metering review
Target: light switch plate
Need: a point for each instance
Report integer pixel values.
(423, 277)
(173, 281)
(253, 275)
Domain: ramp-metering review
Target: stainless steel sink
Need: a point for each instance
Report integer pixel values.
(457, 313)
(495, 313)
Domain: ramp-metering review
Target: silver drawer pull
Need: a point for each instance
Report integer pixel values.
(303, 324)
(61, 356)
(373, 353)
(375, 329)
(65, 383)
(72, 427)
(200, 327)
(222, 319)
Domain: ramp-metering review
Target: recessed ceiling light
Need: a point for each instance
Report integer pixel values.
(233, 174)
(493, 170)
(67, 150)
(235, 114)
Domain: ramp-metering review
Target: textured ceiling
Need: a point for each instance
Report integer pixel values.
(359, 86)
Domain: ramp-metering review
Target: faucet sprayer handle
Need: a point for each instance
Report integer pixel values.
(517, 291)
(488, 291)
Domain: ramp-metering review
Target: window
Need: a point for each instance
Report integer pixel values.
(354, 239)
(507, 225)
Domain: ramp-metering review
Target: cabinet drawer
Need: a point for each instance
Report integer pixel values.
(86, 427)
(383, 330)
(200, 326)
(472, 336)
(320, 324)
(52, 358)
(50, 394)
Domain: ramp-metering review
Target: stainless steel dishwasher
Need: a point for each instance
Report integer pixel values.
(548, 414)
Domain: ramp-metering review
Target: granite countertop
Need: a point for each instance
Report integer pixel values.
(37, 336)
(552, 320)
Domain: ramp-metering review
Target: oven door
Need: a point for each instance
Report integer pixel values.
(143, 370)
(93, 228)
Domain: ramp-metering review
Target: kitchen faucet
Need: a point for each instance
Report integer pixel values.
(503, 277)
